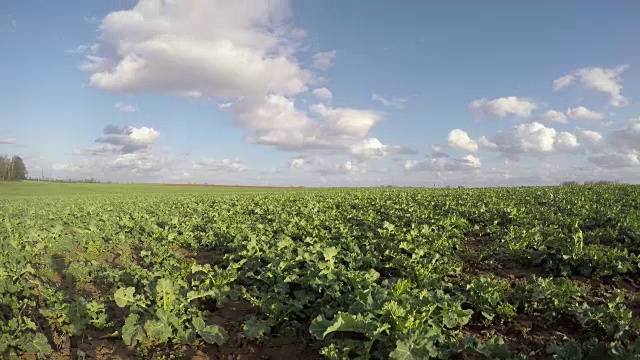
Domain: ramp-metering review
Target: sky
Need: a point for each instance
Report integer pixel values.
(322, 92)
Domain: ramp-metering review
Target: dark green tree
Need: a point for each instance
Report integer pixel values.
(12, 168)
(19, 170)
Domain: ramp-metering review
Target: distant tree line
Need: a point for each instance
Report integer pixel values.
(590, 182)
(91, 180)
(12, 168)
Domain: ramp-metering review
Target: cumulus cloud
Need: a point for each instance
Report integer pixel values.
(266, 113)
(627, 138)
(592, 140)
(199, 48)
(74, 167)
(393, 102)
(502, 107)
(124, 107)
(8, 141)
(141, 163)
(437, 152)
(129, 139)
(347, 121)
(348, 167)
(324, 60)
(322, 93)
(532, 138)
(582, 113)
(372, 148)
(608, 81)
(562, 82)
(484, 142)
(297, 163)
(459, 139)
(244, 53)
(222, 165)
(369, 148)
(468, 162)
(615, 160)
(305, 161)
(553, 116)
(98, 150)
(84, 49)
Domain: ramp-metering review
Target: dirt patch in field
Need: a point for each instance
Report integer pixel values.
(528, 333)
(471, 256)
(297, 345)
(203, 257)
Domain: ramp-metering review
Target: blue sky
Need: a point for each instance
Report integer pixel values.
(412, 92)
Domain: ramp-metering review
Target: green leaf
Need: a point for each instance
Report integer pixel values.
(318, 327)
(158, 330)
(125, 296)
(403, 351)
(185, 337)
(329, 253)
(213, 334)
(321, 327)
(132, 332)
(456, 317)
(166, 296)
(346, 322)
(38, 345)
(255, 329)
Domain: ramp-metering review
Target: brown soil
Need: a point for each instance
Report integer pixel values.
(530, 334)
(202, 257)
(505, 268)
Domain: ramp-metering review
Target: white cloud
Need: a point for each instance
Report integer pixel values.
(466, 163)
(124, 107)
(593, 140)
(305, 161)
(582, 113)
(82, 168)
(297, 163)
(130, 138)
(8, 141)
(99, 150)
(208, 48)
(627, 138)
(459, 139)
(369, 148)
(347, 121)
(243, 53)
(532, 138)
(502, 107)
(224, 165)
(322, 93)
(393, 102)
(437, 152)
(553, 116)
(615, 160)
(271, 112)
(566, 141)
(562, 82)
(85, 49)
(348, 167)
(486, 143)
(141, 163)
(324, 60)
(604, 80)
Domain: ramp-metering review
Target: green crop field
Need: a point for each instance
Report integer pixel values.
(97, 271)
